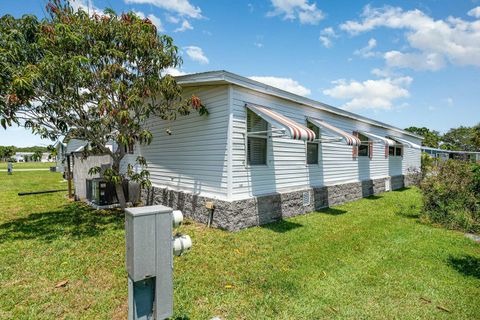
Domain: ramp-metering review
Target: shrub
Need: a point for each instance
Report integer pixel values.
(451, 193)
(426, 163)
(476, 179)
(414, 176)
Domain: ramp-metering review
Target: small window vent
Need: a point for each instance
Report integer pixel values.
(306, 198)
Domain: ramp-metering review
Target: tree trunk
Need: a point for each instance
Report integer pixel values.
(117, 158)
(121, 195)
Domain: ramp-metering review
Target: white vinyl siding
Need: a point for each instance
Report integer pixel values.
(207, 155)
(286, 167)
(193, 158)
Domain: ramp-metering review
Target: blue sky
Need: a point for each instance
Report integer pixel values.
(401, 62)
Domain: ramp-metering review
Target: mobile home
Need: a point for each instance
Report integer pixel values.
(471, 156)
(28, 157)
(263, 154)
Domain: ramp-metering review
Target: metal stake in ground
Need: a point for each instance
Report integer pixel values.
(10, 168)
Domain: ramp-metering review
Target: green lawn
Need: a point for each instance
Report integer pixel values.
(28, 165)
(370, 259)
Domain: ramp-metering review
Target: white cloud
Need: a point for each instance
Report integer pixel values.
(326, 36)
(383, 73)
(286, 84)
(389, 17)
(329, 32)
(153, 18)
(327, 43)
(449, 101)
(305, 12)
(180, 7)
(366, 51)
(174, 72)
(156, 21)
(185, 26)
(475, 12)
(434, 42)
(85, 5)
(172, 19)
(196, 54)
(258, 44)
(370, 94)
(416, 61)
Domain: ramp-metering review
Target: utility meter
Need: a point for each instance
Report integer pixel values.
(150, 246)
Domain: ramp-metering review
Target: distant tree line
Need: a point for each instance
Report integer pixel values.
(461, 138)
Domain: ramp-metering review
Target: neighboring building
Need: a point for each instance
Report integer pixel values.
(263, 153)
(21, 156)
(27, 157)
(472, 156)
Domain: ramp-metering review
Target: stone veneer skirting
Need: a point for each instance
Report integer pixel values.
(239, 214)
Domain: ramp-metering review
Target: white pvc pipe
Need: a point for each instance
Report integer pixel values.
(177, 218)
(181, 244)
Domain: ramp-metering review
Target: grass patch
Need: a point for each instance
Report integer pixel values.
(28, 165)
(365, 259)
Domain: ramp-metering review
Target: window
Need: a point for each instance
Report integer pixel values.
(398, 151)
(364, 148)
(391, 151)
(256, 139)
(395, 151)
(313, 147)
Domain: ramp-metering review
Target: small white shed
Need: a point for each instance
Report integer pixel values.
(77, 168)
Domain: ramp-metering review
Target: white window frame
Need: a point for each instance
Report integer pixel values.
(317, 142)
(395, 151)
(364, 143)
(267, 137)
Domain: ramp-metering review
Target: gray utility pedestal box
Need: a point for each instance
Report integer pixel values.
(149, 261)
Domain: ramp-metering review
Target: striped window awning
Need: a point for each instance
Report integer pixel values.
(349, 139)
(377, 138)
(407, 143)
(291, 128)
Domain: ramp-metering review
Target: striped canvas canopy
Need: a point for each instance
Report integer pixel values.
(292, 129)
(384, 140)
(349, 139)
(407, 143)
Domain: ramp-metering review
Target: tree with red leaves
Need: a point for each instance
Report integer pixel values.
(97, 78)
